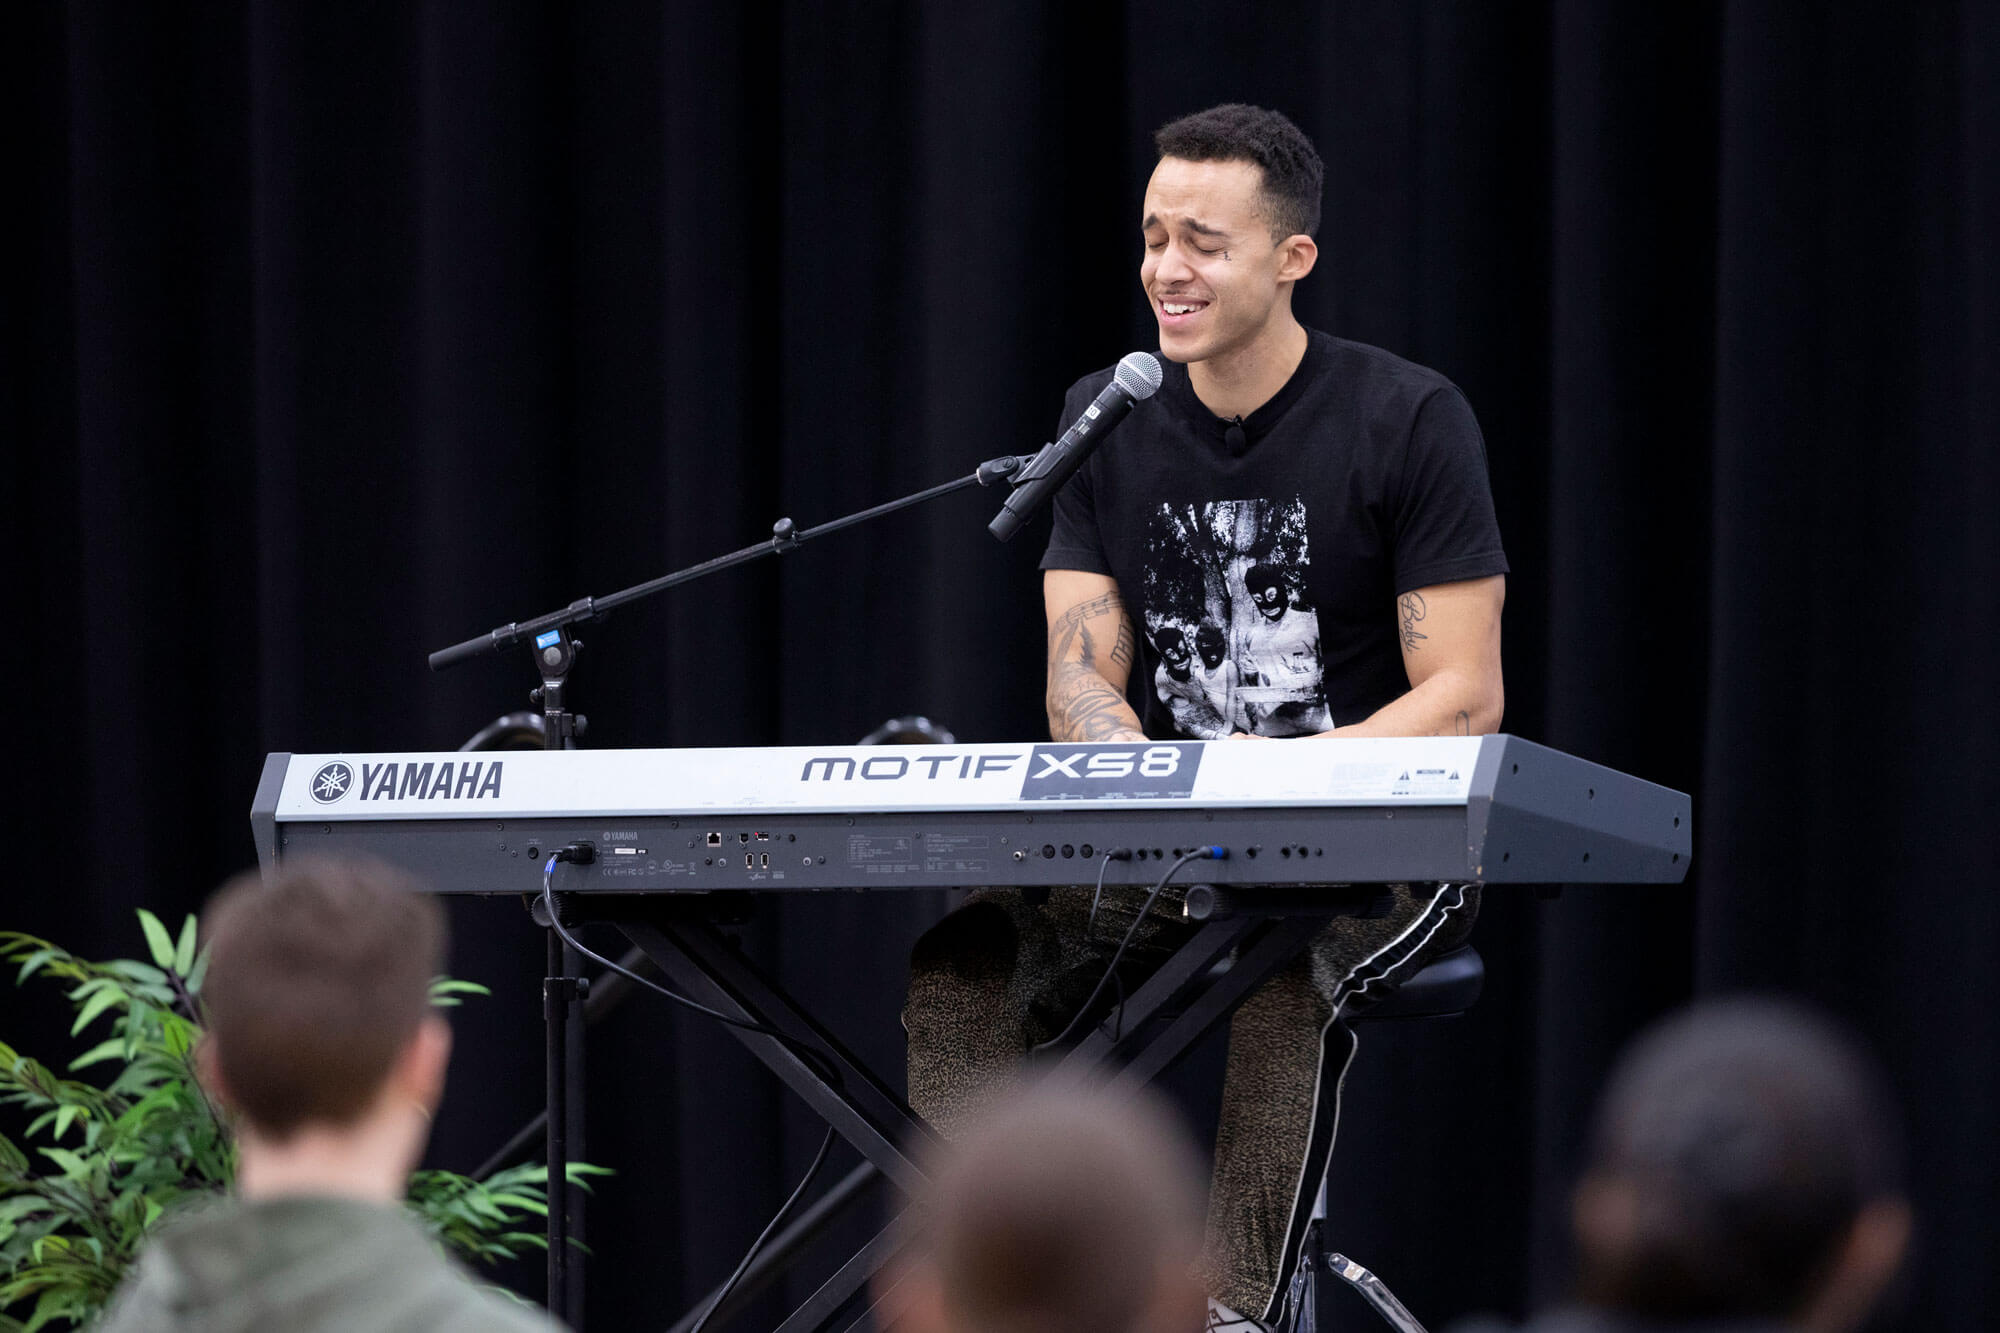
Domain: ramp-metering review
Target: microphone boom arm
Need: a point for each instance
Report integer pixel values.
(784, 537)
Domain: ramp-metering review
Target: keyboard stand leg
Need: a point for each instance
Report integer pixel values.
(706, 967)
(782, 1249)
(1142, 1056)
(847, 1298)
(1183, 998)
(1184, 974)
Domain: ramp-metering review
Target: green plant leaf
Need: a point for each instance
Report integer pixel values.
(94, 1006)
(194, 978)
(157, 940)
(446, 990)
(184, 950)
(33, 963)
(90, 986)
(157, 998)
(145, 973)
(74, 1167)
(177, 1034)
(111, 1048)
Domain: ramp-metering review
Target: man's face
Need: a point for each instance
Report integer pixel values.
(1270, 599)
(1212, 267)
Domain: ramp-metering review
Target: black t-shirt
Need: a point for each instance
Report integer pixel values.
(1261, 564)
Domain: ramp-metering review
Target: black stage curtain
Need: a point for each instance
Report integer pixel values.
(337, 333)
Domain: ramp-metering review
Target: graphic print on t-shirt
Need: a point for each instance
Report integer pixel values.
(1227, 610)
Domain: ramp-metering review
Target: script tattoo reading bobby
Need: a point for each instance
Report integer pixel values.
(1410, 607)
(1082, 707)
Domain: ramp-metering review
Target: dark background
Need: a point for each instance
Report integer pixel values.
(334, 334)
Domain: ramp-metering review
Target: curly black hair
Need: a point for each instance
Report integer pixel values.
(1234, 132)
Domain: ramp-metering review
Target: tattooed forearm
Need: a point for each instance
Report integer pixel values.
(1082, 707)
(1084, 702)
(1121, 651)
(1410, 609)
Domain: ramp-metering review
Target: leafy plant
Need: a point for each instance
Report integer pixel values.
(113, 1160)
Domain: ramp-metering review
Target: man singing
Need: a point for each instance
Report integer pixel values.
(1325, 506)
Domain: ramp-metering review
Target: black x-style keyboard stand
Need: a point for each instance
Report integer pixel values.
(1194, 989)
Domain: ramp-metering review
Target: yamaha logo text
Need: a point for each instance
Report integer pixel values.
(462, 780)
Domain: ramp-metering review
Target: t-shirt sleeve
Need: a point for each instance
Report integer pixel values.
(1074, 540)
(1445, 527)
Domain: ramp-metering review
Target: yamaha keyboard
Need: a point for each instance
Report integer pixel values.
(1494, 809)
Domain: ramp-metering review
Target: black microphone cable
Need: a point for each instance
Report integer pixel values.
(1131, 931)
(1110, 855)
(804, 1052)
(820, 1063)
(819, 1159)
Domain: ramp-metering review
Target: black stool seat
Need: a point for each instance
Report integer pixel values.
(1448, 985)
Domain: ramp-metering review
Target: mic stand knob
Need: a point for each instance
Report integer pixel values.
(555, 654)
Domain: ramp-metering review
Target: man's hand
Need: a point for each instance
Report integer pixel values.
(1091, 648)
(1451, 653)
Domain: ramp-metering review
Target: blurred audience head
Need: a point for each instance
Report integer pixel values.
(1060, 1210)
(317, 1000)
(1747, 1164)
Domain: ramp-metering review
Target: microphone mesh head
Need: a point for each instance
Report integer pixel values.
(1139, 374)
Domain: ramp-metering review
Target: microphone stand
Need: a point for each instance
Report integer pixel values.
(556, 647)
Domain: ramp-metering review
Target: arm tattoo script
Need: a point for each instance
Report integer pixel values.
(1082, 705)
(1070, 630)
(1411, 609)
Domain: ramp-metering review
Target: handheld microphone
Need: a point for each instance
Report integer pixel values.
(1138, 376)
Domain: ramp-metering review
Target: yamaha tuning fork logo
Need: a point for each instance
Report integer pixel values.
(331, 782)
